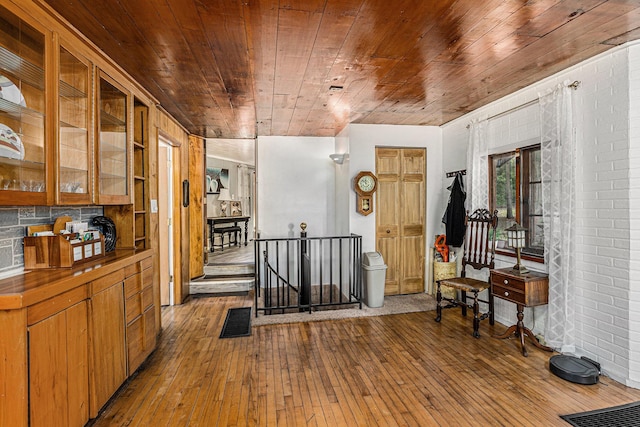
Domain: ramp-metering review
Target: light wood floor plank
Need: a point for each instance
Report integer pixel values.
(404, 370)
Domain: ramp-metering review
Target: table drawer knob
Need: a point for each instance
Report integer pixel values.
(506, 282)
(506, 293)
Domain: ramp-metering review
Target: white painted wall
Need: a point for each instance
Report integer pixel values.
(295, 183)
(607, 224)
(213, 205)
(363, 139)
(342, 185)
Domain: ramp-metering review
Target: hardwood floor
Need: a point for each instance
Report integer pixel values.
(233, 255)
(404, 370)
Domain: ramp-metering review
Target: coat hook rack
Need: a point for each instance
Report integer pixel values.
(454, 173)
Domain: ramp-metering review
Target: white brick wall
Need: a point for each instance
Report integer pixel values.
(607, 106)
(633, 205)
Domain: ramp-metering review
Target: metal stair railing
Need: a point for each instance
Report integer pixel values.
(307, 273)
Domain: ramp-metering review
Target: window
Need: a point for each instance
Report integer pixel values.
(516, 193)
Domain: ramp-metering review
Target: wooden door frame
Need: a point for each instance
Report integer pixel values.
(178, 296)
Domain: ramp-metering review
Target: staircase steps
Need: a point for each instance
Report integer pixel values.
(223, 279)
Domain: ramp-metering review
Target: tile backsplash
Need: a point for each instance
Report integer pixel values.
(15, 220)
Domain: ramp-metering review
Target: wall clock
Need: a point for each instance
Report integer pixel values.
(365, 184)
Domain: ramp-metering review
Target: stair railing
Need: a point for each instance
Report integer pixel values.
(307, 273)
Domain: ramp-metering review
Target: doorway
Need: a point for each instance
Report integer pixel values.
(165, 222)
(400, 217)
(229, 264)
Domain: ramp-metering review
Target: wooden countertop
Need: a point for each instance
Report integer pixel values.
(35, 286)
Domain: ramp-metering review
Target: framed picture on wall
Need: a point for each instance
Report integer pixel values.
(236, 208)
(217, 179)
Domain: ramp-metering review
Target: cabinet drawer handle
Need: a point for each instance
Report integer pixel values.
(506, 293)
(388, 231)
(506, 282)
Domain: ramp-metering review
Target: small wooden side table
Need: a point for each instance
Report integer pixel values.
(525, 290)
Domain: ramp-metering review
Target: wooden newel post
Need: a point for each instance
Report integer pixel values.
(305, 269)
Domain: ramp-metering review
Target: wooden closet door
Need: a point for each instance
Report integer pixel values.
(400, 217)
(387, 208)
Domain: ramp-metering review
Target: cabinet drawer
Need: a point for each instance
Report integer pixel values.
(106, 281)
(133, 307)
(137, 267)
(135, 344)
(44, 309)
(507, 282)
(132, 285)
(149, 329)
(510, 294)
(147, 277)
(147, 297)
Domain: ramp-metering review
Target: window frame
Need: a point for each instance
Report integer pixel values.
(522, 188)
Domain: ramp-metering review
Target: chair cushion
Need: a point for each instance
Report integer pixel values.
(466, 284)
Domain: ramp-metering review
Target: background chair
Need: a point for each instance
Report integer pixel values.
(230, 232)
(479, 253)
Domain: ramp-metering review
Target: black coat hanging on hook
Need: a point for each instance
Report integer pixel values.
(455, 214)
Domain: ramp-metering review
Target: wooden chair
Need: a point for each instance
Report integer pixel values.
(479, 253)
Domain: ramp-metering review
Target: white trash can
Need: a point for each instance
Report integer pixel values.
(375, 271)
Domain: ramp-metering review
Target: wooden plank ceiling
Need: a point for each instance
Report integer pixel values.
(242, 68)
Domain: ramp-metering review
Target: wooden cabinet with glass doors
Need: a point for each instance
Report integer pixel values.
(23, 153)
(141, 173)
(74, 138)
(112, 152)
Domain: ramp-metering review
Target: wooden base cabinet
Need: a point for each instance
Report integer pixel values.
(107, 344)
(69, 338)
(58, 369)
(141, 320)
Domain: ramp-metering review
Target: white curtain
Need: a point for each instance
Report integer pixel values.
(558, 148)
(478, 166)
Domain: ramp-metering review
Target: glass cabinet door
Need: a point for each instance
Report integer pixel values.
(23, 177)
(74, 150)
(113, 147)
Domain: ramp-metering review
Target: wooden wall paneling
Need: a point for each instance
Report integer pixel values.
(154, 233)
(185, 221)
(197, 225)
(180, 140)
(123, 218)
(13, 368)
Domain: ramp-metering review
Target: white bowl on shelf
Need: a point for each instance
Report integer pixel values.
(10, 143)
(10, 92)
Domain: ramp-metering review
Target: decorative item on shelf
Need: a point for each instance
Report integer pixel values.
(108, 230)
(516, 238)
(236, 208)
(10, 92)
(223, 198)
(10, 143)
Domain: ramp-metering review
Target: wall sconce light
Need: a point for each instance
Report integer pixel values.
(516, 238)
(338, 158)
